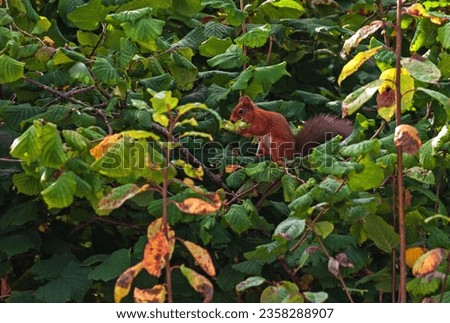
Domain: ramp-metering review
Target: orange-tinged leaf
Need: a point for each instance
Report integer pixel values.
(355, 63)
(407, 137)
(412, 254)
(48, 41)
(98, 151)
(193, 205)
(154, 254)
(199, 282)
(123, 283)
(202, 257)
(428, 262)
(156, 294)
(157, 226)
(231, 168)
(119, 195)
(418, 10)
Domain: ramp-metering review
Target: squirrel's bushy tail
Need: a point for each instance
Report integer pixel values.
(320, 129)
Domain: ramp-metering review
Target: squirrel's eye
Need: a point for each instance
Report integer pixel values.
(241, 111)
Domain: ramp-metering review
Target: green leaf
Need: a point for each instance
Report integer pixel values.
(444, 36)
(89, 15)
(145, 31)
(71, 285)
(127, 51)
(255, 37)
(316, 297)
(19, 243)
(264, 172)
(187, 8)
(441, 98)
(301, 205)
(13, 115)
(235, 16)
(371, 177)
(357, 98)
(421, 287)
(27, 147)
(323, 228)
(130, 15)
(60, 194)
(218, 30)
(140, 134)
(237, 218)
(361, 148)
(163, 101)
(232, 58)
(112, 267)
(27, 184)
(52, 153)
(120, 195)
(79, 72)
(426, 157)
(75, 140)
(41, 26)
(424, 36)
(442, 137)
(5, 19)
(105, 72)
(214, 46)
(270, 74)
(249, 282)
(289, 229)
(18, 215)
(381, 233)
(12, 70)
(290, 184)
(424, 71)
(236, 178)
(283, 292)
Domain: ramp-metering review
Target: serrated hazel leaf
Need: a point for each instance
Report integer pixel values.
(99, 150)
(140, 134)
(428, 262)
(323, 228)
(12, 70)
(89, 15)
(144, 31)
(163, 101)
(156, 294)
(154, 254)
(381, 233)
(371, 176)
(359, 35)
(441, 98)
(270, 74)
(123, 283)
(357, 98)
(250, 282)
(237, 218)
(119, 195)
(290, 228)
(52, 152)
(27, 147)
(60, 194)
(424, 71)
(232, 58)
(355, 63)
(193, 205)
(105, 72)
(256, 37)
(202, 257)
(407, 137)
(129, 15)
(199, 282)
(26, 184)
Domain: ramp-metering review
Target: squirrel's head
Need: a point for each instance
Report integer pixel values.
(243, 110)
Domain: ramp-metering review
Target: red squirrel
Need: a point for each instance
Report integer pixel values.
(274, 134)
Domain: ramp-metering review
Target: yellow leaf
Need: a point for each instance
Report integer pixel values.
(199, 282)
(412, 254)
(98, 151)
(202, 257)
(354, 64)
(123, 283)
(156, 294)
(154, 254)
(157, 226)
(417, 10)
(193, 205)
(406, 87)
(428, 262)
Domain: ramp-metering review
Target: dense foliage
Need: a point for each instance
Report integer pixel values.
(111, 120)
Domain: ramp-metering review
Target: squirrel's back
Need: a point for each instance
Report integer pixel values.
(319, 129)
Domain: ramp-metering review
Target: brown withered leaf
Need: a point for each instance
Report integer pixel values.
(98, 151)
(359, 35)
(202, 257)
(123, 283)
(407, 137)
(154, 254)
(156, 294)
(386, 98)
(157, 226)
(333, 266)
(194, 205)
(343, 260)
(199, 282)
(428, 262)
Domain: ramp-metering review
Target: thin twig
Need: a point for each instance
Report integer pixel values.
(379, 130)
(269, 52)
(108, 220)
(105, 120)
(244, 30)
(267, 193)
(190, 158)
(444, 282)
(239, 195)
(54, 92)
(292, 275)
(400, 188)
(338, 276)
(9, 160)
(71, 93)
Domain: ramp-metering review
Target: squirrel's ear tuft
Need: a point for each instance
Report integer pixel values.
(246, 100)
